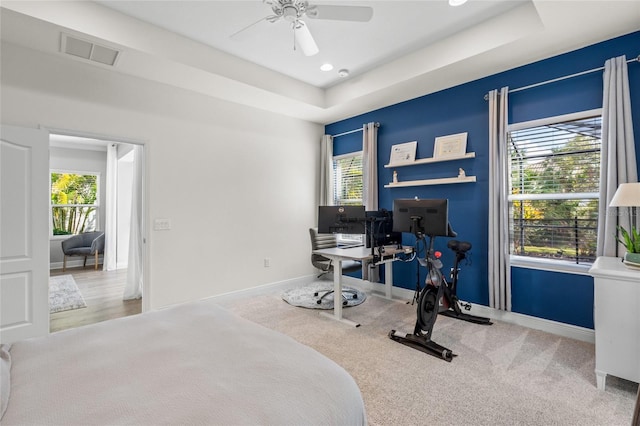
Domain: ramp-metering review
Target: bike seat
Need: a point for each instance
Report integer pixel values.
(459, 246)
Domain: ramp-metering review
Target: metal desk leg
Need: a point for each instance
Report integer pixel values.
(337, 296)
(388, 279)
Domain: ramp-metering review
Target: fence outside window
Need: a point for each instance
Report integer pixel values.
(559, 239)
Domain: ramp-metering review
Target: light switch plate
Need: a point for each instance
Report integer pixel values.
(161, 224)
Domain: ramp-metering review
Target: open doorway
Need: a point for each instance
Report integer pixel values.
(95, 190)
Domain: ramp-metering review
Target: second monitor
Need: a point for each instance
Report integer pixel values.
(380, 224)
(341, 220)
(427, 217)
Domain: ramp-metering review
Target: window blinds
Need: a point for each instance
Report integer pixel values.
(554, 189)
(556, 161)
(347, 178)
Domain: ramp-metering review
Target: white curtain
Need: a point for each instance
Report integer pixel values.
(370, 166)
(133, 286)
(618, 159)
(326, 170)
(499, 267)
(111, 209)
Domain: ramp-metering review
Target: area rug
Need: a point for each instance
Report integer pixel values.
(64, 294)
(304, 296)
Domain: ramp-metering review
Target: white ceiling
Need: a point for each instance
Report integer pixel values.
(397, 28)
(408, 49)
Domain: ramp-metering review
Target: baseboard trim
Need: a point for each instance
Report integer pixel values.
(558, 328)
(75, 263)
(554, 327)
(262, 289)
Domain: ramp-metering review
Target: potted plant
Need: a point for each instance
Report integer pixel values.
(631, 241)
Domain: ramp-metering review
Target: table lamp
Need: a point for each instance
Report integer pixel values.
(628, 195)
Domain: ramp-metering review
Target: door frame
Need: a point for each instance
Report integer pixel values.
(146, 287)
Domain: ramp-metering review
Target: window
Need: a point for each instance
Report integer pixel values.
(74, 203)
(554, 187)
(347, 186)
(347, 179)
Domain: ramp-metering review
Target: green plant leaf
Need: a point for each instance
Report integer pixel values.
(630, 240)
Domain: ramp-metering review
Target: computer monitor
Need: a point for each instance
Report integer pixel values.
(380, 222)
(341, 220)
(427, 217)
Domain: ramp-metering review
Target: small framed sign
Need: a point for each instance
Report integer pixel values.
(450, 146)
(403, 153)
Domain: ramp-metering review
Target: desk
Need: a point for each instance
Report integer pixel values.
(337, 255)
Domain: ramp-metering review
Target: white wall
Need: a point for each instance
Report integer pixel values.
(77, 161)
(238, 184)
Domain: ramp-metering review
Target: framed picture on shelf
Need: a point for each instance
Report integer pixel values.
(450, 146)
(403, 153)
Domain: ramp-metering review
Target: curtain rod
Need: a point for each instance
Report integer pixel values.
(352, 131)
(542, 83)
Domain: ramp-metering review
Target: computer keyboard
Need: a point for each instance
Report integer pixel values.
(350, 246)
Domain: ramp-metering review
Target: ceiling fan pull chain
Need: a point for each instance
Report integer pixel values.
(294, 36)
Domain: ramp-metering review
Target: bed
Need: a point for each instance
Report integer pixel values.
(196, 363)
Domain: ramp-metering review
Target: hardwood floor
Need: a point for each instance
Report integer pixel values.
(102, 291)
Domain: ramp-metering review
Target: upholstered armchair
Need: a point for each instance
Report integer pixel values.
(86, 244)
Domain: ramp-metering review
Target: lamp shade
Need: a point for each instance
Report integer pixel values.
(627, 195)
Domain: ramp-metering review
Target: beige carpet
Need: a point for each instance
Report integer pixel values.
(503, 375)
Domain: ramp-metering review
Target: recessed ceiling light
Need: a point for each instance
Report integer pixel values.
(457, 2)
(343, 73)
(326, 67)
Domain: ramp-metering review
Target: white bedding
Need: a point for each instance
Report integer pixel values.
(191, 364)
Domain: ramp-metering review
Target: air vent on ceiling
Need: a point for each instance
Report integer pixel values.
(88, 50)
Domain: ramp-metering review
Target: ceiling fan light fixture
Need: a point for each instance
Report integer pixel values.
(457, 2)
(326, 67)
(290, 14)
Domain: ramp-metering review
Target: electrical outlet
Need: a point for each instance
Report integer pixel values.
(267, 262)
(161, 224)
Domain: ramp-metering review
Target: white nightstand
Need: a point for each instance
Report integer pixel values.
(616, 319)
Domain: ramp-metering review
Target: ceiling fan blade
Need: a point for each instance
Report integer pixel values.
(270, 18)
(340, 13)
(304, 39)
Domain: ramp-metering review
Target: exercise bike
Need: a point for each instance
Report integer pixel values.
(450, 297)
(437, 297)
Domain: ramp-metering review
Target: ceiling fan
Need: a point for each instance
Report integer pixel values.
(292, 11)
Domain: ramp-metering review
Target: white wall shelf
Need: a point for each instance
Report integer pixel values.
(432, 160)
(441, 181)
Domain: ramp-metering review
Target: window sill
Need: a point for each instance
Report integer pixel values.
(550, 265)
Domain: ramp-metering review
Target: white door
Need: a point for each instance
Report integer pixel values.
(24, 233)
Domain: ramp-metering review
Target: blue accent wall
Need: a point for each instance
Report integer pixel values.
(553, 295)
(562, 297)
